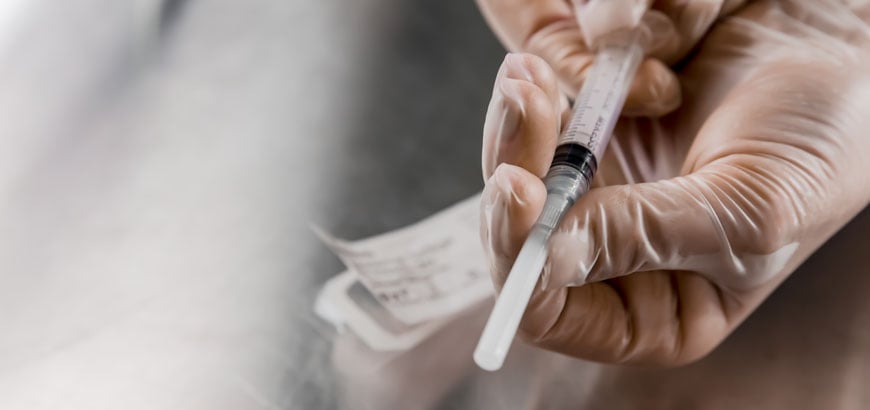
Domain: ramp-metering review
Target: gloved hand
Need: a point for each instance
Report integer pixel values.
(550, 30)
(710, 208)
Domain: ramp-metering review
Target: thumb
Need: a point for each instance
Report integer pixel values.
(610, 232)
(721, 221)
(683, 223)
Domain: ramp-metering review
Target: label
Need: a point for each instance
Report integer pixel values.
(424, 271)
(347, 304)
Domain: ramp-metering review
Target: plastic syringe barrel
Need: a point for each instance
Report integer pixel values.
(595, 113)
(600, 101)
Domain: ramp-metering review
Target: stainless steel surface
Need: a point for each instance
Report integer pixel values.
(161, 162)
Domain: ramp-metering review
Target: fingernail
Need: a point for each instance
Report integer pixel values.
(497, 193)
(516, 68)
(503, 119)
(490, 200)
(511, 110)
(571, 257)
(502, 200)
(511, 88)
(503, 178)
(510, 122)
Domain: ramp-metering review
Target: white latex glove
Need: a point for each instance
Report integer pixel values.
(712, 207)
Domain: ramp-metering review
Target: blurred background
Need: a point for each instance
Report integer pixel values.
(160, 164)
(160, 161)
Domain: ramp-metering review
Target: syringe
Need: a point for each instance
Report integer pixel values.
(582, 144)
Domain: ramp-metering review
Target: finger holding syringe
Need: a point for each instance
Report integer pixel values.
(582, 142)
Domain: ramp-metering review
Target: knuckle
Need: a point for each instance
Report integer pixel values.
(759, 214)
(773, 225)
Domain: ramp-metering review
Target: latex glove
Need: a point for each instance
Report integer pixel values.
(549, 29)
(766, 160)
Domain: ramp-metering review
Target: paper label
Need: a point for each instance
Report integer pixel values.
(347, 304)
(425, 271)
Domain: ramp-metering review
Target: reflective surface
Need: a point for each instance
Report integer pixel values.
(160, 164)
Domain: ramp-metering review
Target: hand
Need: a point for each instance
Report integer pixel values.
(772, 154)
(550, 30)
